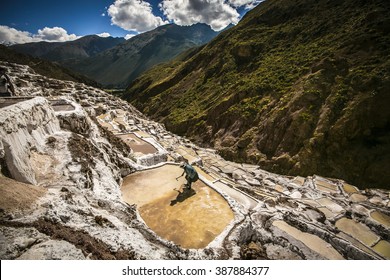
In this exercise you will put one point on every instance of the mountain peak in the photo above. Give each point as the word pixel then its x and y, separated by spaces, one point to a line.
pixel 118 66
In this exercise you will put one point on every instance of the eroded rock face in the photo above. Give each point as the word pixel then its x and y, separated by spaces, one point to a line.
pixel 73 150
pixel 23 128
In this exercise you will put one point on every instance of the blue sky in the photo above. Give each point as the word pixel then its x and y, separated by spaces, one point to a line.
pixel 30 21
pixel 81 17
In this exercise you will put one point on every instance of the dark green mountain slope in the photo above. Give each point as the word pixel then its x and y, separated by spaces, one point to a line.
pixel 298 87
pixel 36 49
pixel 43 67
pixel 123 63
pixel 81 48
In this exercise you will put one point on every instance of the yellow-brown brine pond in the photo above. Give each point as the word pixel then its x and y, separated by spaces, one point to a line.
pixel 190 218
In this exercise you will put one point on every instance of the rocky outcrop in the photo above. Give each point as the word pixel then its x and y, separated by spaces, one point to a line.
pixel 74 119
pixel 24 128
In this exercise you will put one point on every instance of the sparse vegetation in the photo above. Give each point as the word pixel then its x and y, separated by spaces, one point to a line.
pixel 291 69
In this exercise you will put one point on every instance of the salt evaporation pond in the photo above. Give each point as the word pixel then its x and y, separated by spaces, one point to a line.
pixel 137 144
pixel 189 218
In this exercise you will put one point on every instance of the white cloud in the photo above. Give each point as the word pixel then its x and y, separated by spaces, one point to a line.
pixel 128 36
pixel 55 34
pixel 104 34
pixel 216 13
pixel 134 15
pixel 240 3
pixel 10 36
pixel 103 14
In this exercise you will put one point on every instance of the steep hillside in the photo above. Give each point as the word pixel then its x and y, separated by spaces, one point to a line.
pixel 296 87
pixel 84 47
pixel 123 63
pixel 43 67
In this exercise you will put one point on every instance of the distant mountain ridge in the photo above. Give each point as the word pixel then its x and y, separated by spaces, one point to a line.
pixel 81 48
pixel 115 62
pixel 120 65
pixel 44 67
pixel 297 87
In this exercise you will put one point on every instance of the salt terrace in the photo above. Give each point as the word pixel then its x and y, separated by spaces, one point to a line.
pixel 61 105
pixel 137 144
pixel 230 206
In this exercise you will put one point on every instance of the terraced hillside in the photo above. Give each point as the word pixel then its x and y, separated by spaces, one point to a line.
pixel 84 175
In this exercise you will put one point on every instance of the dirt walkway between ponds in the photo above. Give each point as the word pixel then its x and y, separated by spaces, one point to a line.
pixel 189 218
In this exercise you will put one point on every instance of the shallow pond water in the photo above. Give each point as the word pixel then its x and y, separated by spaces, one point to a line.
pixel 137 144
pixel 190 218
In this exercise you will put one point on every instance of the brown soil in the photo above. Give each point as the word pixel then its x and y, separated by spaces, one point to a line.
pixel 20 197
pixel 253 251
pixel 85 153
pixel 17 196
pixel 95 248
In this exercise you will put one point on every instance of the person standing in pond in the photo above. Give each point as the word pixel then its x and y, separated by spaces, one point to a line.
pixel 6 86
pixel 191 174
